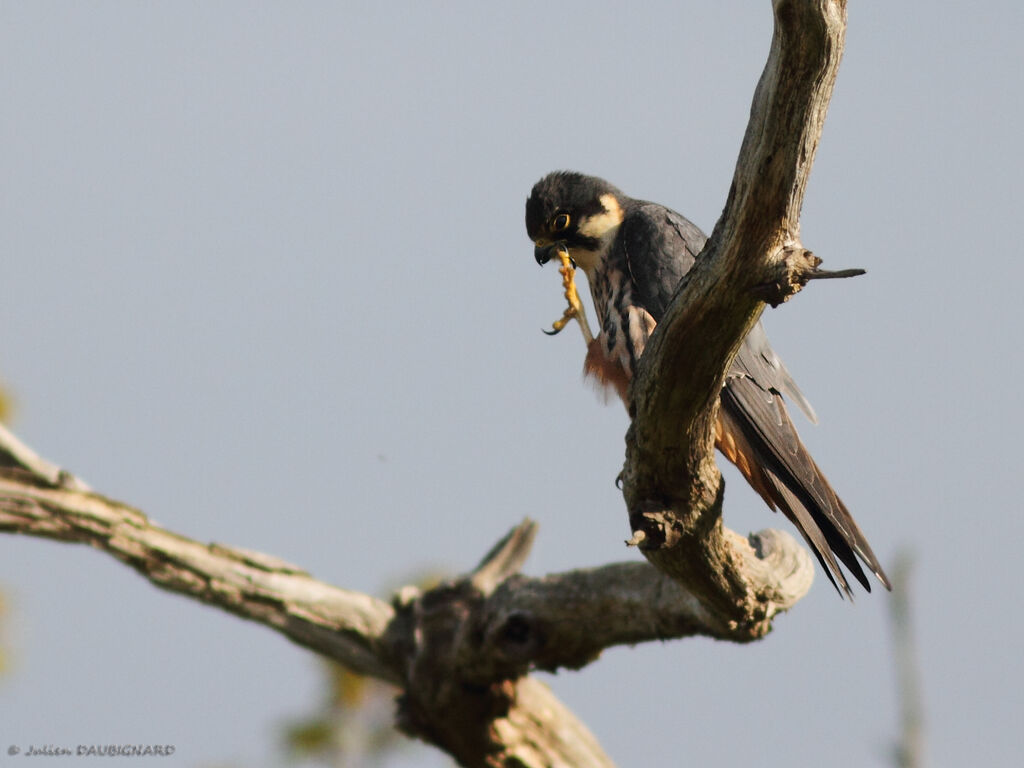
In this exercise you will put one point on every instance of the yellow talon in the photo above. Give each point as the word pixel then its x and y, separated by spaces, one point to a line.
pixel 575 308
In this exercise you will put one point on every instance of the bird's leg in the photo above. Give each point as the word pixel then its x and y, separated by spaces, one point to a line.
pixel 575 308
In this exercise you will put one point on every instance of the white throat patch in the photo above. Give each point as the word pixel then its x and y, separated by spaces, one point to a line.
pixel 601 226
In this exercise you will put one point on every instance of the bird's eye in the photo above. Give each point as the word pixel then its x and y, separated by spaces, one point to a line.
pixel 560 222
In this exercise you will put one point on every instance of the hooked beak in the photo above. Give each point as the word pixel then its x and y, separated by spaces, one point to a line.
pixel 546 250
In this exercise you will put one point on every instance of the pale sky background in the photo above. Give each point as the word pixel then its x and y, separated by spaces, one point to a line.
pixel 265 277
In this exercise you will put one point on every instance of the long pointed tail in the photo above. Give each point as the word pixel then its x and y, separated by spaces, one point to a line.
pixel 756 434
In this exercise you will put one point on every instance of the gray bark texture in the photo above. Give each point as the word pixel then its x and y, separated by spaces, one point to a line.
pixel 461 653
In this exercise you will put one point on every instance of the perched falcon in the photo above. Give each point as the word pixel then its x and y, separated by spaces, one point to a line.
pixel 634 254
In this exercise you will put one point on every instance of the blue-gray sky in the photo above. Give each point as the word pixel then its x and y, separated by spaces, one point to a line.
pixel 265 277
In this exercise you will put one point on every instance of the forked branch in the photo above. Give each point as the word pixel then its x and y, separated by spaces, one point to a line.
pixel 672 486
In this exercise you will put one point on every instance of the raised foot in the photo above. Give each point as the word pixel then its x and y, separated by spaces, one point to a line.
pixel 575 308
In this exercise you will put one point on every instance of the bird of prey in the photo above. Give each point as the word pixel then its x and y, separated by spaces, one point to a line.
pixel 634 254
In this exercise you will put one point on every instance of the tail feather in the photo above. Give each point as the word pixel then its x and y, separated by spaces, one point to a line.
pixel 817 539
pixel 757 435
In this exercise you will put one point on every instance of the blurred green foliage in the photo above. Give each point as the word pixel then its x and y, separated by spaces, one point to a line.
pixel 354 724
pixel 5 404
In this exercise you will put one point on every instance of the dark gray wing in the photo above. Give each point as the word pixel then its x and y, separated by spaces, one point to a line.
pixel 757 354
pixel 659 246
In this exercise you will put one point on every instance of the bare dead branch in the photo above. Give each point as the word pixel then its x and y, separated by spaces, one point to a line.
pixel 21 459
pixel 909 748
pixel 505 558
pixel 460 652
pixel 498 722
pixel 672 486
pixel 346 626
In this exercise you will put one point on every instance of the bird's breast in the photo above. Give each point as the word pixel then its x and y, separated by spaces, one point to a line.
pixel 625 328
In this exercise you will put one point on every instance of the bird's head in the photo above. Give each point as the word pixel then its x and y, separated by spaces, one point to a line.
pixel 578 212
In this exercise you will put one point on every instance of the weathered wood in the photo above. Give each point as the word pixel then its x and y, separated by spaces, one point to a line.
pixel 459 651
pixel 672 486
pixel 346 626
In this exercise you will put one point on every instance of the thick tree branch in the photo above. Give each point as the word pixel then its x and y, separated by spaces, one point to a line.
pixel 347 626
pixel 519 623
pixel 910 746
pixel 460 652
pixel 672 486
